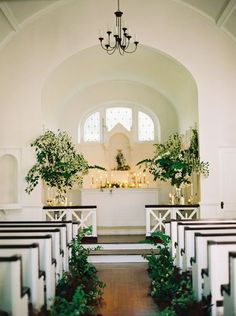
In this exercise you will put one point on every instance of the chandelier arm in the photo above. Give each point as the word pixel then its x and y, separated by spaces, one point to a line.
pixel 103 47
pixel 126 42
pixel 132 51
pixel 107 48
pixel 111 51
pixel 121 51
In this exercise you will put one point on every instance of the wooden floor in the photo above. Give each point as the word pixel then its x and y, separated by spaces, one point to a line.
pixel 126 290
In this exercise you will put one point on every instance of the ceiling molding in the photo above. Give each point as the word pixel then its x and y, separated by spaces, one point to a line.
pixel 43 11
pixel 226 12
pixel 9 16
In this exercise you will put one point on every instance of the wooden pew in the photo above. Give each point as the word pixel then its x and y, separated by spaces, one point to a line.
pixel 217 272
pixel 199 261
pixel 181 232
pixel 69 226
pixel 57 252
pixel 229 290
pixel 172 224
pixel 13 297
pixel 71 232
pixel 188 251
pixel 46 261
pixel 31 275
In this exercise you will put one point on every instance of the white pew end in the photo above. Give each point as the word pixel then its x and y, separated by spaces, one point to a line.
pixel 199 261
pixel 217 271
pixel 14 300
pixel 46 262
pixel 32 278
pixel 229 290
pixel 181 236
pixel 55 233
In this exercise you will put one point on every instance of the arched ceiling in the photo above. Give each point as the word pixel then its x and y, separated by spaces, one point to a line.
pixel 76 79
pixel 15 14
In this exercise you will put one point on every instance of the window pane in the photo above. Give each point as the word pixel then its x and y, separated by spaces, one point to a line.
pixel 117 115
pixel 145 127
pixel 92 128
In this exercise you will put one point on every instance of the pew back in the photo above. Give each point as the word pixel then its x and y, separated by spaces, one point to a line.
pixel 189 237
pixel 57 252
pixel 30 270
pixel 181 232
pixel 217 272
pixel 14 300
pixel 172 224
pixel 230 294
pixel 46 262
pixel 199 261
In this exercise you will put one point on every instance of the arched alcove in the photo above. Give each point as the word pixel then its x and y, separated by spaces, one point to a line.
pixel 9 180
pixel 118 141
pixel 148 77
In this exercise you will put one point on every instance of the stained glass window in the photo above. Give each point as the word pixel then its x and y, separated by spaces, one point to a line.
pixel 92 128
pixel 115 115
pixel 145 127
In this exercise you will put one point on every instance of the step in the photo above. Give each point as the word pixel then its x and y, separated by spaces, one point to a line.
pixel 120 255
pixel 122 252
pixel 116 258
pixel 120 248
pixel 107 246
pixel 126 252
pixel 120 239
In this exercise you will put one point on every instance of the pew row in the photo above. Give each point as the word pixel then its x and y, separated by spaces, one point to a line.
pixel 229 290
pixel 46 261
pixel 57 252
pixel 14 298
pixel 188 251
pixel 70 226
pixel 181 227
pixel 72 229
pixel 199 261
pixel 32 277
pixel 217 272
pixel 171 228
pixel 63 236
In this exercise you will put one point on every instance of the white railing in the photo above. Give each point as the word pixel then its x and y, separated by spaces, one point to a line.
pixel 85 216
pixel 156 215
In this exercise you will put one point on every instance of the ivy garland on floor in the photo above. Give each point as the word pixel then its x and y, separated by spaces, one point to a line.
pixel 171 289
pixel 79 291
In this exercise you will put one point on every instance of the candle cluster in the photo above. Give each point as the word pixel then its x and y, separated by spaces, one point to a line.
pixel 119 179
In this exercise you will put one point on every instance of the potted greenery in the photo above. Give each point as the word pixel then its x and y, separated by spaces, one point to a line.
pixel 57 163
pixel 175 164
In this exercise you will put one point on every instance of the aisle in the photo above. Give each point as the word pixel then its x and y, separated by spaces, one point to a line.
pixel 126 290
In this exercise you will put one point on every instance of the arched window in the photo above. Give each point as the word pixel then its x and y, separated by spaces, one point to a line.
pixel 128 116
pixel 117 115
pixel 145 127
pixel 92 128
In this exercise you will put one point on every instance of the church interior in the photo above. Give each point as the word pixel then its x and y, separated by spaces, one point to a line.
pixel 121 80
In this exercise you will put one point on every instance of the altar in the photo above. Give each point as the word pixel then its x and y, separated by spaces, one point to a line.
pixel 120 211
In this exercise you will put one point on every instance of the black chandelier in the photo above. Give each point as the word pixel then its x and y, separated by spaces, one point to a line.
pixel 122 38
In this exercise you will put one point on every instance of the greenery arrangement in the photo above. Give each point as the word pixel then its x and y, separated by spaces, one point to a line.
pixel 79 291
pixel 171 290
pixel 58 163
pixel 173 163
